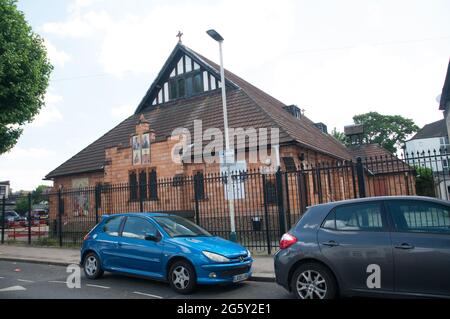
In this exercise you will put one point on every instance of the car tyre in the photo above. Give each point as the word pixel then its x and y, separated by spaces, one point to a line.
pixel 313 281
pixel 182 277
pixel 92 266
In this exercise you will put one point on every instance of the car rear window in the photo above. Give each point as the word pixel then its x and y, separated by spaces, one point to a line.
pixel 112 226
pixel 416 216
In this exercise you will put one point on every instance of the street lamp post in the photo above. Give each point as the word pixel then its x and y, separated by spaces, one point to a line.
pixel 228 152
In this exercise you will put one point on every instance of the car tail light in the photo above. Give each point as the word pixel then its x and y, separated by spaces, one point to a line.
pixel 287 241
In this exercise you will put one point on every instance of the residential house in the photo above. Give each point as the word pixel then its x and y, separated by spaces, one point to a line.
pixel 429 148
pixel 444 103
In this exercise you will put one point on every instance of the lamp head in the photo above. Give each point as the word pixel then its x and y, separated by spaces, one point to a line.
pixel 215 35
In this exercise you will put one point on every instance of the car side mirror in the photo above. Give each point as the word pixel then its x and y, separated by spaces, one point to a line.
pixel 151 237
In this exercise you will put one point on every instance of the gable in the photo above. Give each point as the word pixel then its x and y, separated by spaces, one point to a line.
pixel 184 75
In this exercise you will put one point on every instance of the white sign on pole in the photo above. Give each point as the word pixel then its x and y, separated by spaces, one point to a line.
pixel 237 179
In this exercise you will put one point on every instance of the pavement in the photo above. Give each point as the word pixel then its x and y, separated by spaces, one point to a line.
pixel 24 280
pixel 263 269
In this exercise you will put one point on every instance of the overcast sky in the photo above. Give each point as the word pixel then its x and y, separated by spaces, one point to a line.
pixel 334 59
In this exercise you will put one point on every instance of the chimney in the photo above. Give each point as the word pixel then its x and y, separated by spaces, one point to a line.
pixel 354 133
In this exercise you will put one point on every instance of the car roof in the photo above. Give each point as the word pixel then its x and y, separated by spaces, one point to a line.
pixel 381 198
pixel 155 214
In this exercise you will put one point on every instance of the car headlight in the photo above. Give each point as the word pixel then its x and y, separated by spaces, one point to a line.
pixel 249 253
pixel 216 257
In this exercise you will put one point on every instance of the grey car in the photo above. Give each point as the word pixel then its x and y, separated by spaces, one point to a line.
pixel 380 246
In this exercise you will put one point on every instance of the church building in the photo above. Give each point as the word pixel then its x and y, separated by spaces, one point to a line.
pixel 188 89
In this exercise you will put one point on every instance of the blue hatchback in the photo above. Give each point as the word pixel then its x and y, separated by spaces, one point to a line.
pixel 163 247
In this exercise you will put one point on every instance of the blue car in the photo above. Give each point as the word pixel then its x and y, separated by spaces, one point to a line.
pixel 163 247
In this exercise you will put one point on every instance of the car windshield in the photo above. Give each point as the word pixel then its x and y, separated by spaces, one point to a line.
pixel 11 214
pixel 179 227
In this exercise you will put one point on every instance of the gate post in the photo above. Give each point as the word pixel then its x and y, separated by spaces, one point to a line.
pixel 266 214
pixel 196 196
pixel 288 208
pixel 280 200
pixel 141 198
pixel 360 176
pixel 97 201
pixel 29 219
pixel 60 213
pixel 3 218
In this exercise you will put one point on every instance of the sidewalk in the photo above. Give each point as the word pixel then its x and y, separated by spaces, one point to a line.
pixel 262 267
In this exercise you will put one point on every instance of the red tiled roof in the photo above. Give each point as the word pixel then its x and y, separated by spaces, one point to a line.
pixel 248 107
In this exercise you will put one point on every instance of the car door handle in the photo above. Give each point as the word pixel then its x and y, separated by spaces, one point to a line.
pixel 404 246
pixel 330 243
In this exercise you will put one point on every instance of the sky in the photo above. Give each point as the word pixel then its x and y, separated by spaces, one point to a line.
pixel 334 59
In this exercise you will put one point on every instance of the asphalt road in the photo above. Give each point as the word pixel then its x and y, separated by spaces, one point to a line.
pixel 37 281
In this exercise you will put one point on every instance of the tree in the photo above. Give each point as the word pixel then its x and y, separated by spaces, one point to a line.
pixel 38 196
pixel 24 74
pixel 22 206
pixel 424 181
pixel 389 131
pixel 339 136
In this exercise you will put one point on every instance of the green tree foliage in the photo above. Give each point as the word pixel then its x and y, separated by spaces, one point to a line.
pixel 37 196
pixel 389 131
pixel 24 74
pixel 339 136
pixel 22 205
pixel 424 181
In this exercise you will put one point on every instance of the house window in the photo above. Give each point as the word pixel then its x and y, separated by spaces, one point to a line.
pixel 153 181
pixel 199 184
pixel 186 85
pixel 143 185
pixel 443 145
pixel 133 186
pixel 271 192
pixel 198 83
pixel 289 164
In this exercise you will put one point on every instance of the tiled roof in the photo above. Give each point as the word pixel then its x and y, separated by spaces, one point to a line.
pixel 435 129
pixel 378 160
pixel 248 107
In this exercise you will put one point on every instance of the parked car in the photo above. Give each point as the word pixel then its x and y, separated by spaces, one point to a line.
pixel 385 246
pixel 163 247
pixel 13 219
pixel 40 215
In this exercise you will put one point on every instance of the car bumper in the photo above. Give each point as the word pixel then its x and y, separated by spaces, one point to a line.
pixel 211 274
pixel 281 265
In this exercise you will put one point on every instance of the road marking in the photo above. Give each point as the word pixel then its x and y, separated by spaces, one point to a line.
pixel 57 282
pixel 2 277
pixel 97 286
pixel 24 280
pixel 13 288
pixel 148 295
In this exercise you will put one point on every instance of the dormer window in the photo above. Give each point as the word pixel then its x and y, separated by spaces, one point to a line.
pixel 188 83
pixel 187 78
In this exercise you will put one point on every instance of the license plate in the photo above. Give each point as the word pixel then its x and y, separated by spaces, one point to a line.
pixel 239 278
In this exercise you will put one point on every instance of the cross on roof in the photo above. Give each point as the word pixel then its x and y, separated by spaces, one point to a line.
pixel 179 35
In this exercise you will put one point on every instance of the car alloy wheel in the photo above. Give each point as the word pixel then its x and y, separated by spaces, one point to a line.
pixel 311 285
pixel 91 265
pixel 180 277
